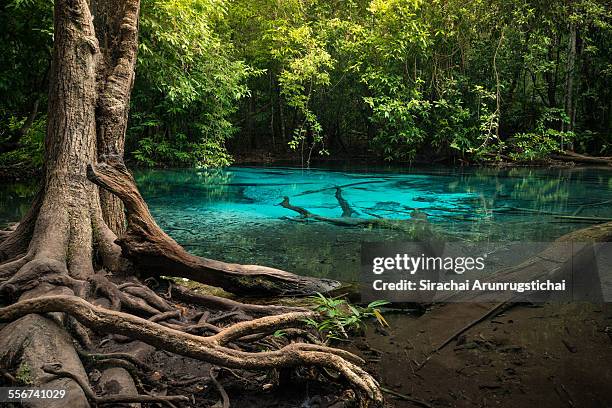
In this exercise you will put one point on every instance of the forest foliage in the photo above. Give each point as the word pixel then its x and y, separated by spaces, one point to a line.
pixel 395 80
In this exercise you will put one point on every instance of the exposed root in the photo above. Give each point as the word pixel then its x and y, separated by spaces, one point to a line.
pixel 15 240
pixel 120 299
pixel 222 392
pixel 262 325
pixel 182 293
pixel 93 357
pixel 56 369
pixel 10 267
pixel 166 315
pixel 209 349
pixel 33 341
pixel 27 274
pixel 60 253
pixel 149 296
pixel 153 252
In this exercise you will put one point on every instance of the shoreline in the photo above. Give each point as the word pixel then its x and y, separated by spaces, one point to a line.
pixel 19 173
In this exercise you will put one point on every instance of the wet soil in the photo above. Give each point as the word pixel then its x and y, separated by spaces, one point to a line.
pixel 553 355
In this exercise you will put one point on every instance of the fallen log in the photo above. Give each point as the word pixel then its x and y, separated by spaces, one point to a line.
pixel 554 262
pixel 549 263
pixel 569 156
pixel 347 211
pixel 359 183
pixel 579 218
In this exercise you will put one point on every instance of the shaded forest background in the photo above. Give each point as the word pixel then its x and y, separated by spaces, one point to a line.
pixel 393 80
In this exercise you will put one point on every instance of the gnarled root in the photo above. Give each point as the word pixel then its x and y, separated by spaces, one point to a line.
pixel 153 252
pixel 211 349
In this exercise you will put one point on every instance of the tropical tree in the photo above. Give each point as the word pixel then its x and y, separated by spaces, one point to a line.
pixel 64 257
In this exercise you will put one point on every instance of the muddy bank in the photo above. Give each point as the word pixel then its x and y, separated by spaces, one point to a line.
pixel 554 355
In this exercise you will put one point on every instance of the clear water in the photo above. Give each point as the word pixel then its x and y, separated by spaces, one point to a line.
pixel 234 214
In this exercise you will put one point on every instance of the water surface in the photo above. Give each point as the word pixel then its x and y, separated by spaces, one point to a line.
pixel 234 214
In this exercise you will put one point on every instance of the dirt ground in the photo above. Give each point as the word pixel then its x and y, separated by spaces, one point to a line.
pixel 553 355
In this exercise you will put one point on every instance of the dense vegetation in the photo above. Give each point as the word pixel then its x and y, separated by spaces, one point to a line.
pixel 384 79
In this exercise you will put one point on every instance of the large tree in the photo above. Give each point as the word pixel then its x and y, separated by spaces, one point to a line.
pixel 67 276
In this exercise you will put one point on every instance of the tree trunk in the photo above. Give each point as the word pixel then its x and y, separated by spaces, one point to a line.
pixel 569 80
pixel 57 261
pixel 117 32
pixel 67 213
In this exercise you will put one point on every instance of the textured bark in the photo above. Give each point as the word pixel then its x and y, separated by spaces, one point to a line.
pixel 117 31
pixel 59 231
pixel 33 341
pixel 64 226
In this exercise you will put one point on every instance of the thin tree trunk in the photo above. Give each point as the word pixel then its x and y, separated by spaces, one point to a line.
pixel 569 81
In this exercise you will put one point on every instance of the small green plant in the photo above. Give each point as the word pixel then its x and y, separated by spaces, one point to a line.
pixel 341 318
pixel 24 374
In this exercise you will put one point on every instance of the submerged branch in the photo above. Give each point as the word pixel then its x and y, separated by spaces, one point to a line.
pixel 347 211
pixel 383 223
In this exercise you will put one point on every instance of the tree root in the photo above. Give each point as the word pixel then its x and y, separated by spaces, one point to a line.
pixel 222 392
pixel 152 251
pixel 183 294
pixel 33 341
pixel 93 357
pixel 56 369
pixel 210 349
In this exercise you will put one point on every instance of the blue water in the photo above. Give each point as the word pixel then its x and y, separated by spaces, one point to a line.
pixel 234 214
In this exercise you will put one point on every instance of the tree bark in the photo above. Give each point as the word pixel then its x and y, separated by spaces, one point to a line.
pixel 117 33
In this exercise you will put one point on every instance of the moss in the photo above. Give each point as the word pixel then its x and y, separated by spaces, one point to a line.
pixel 201 288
